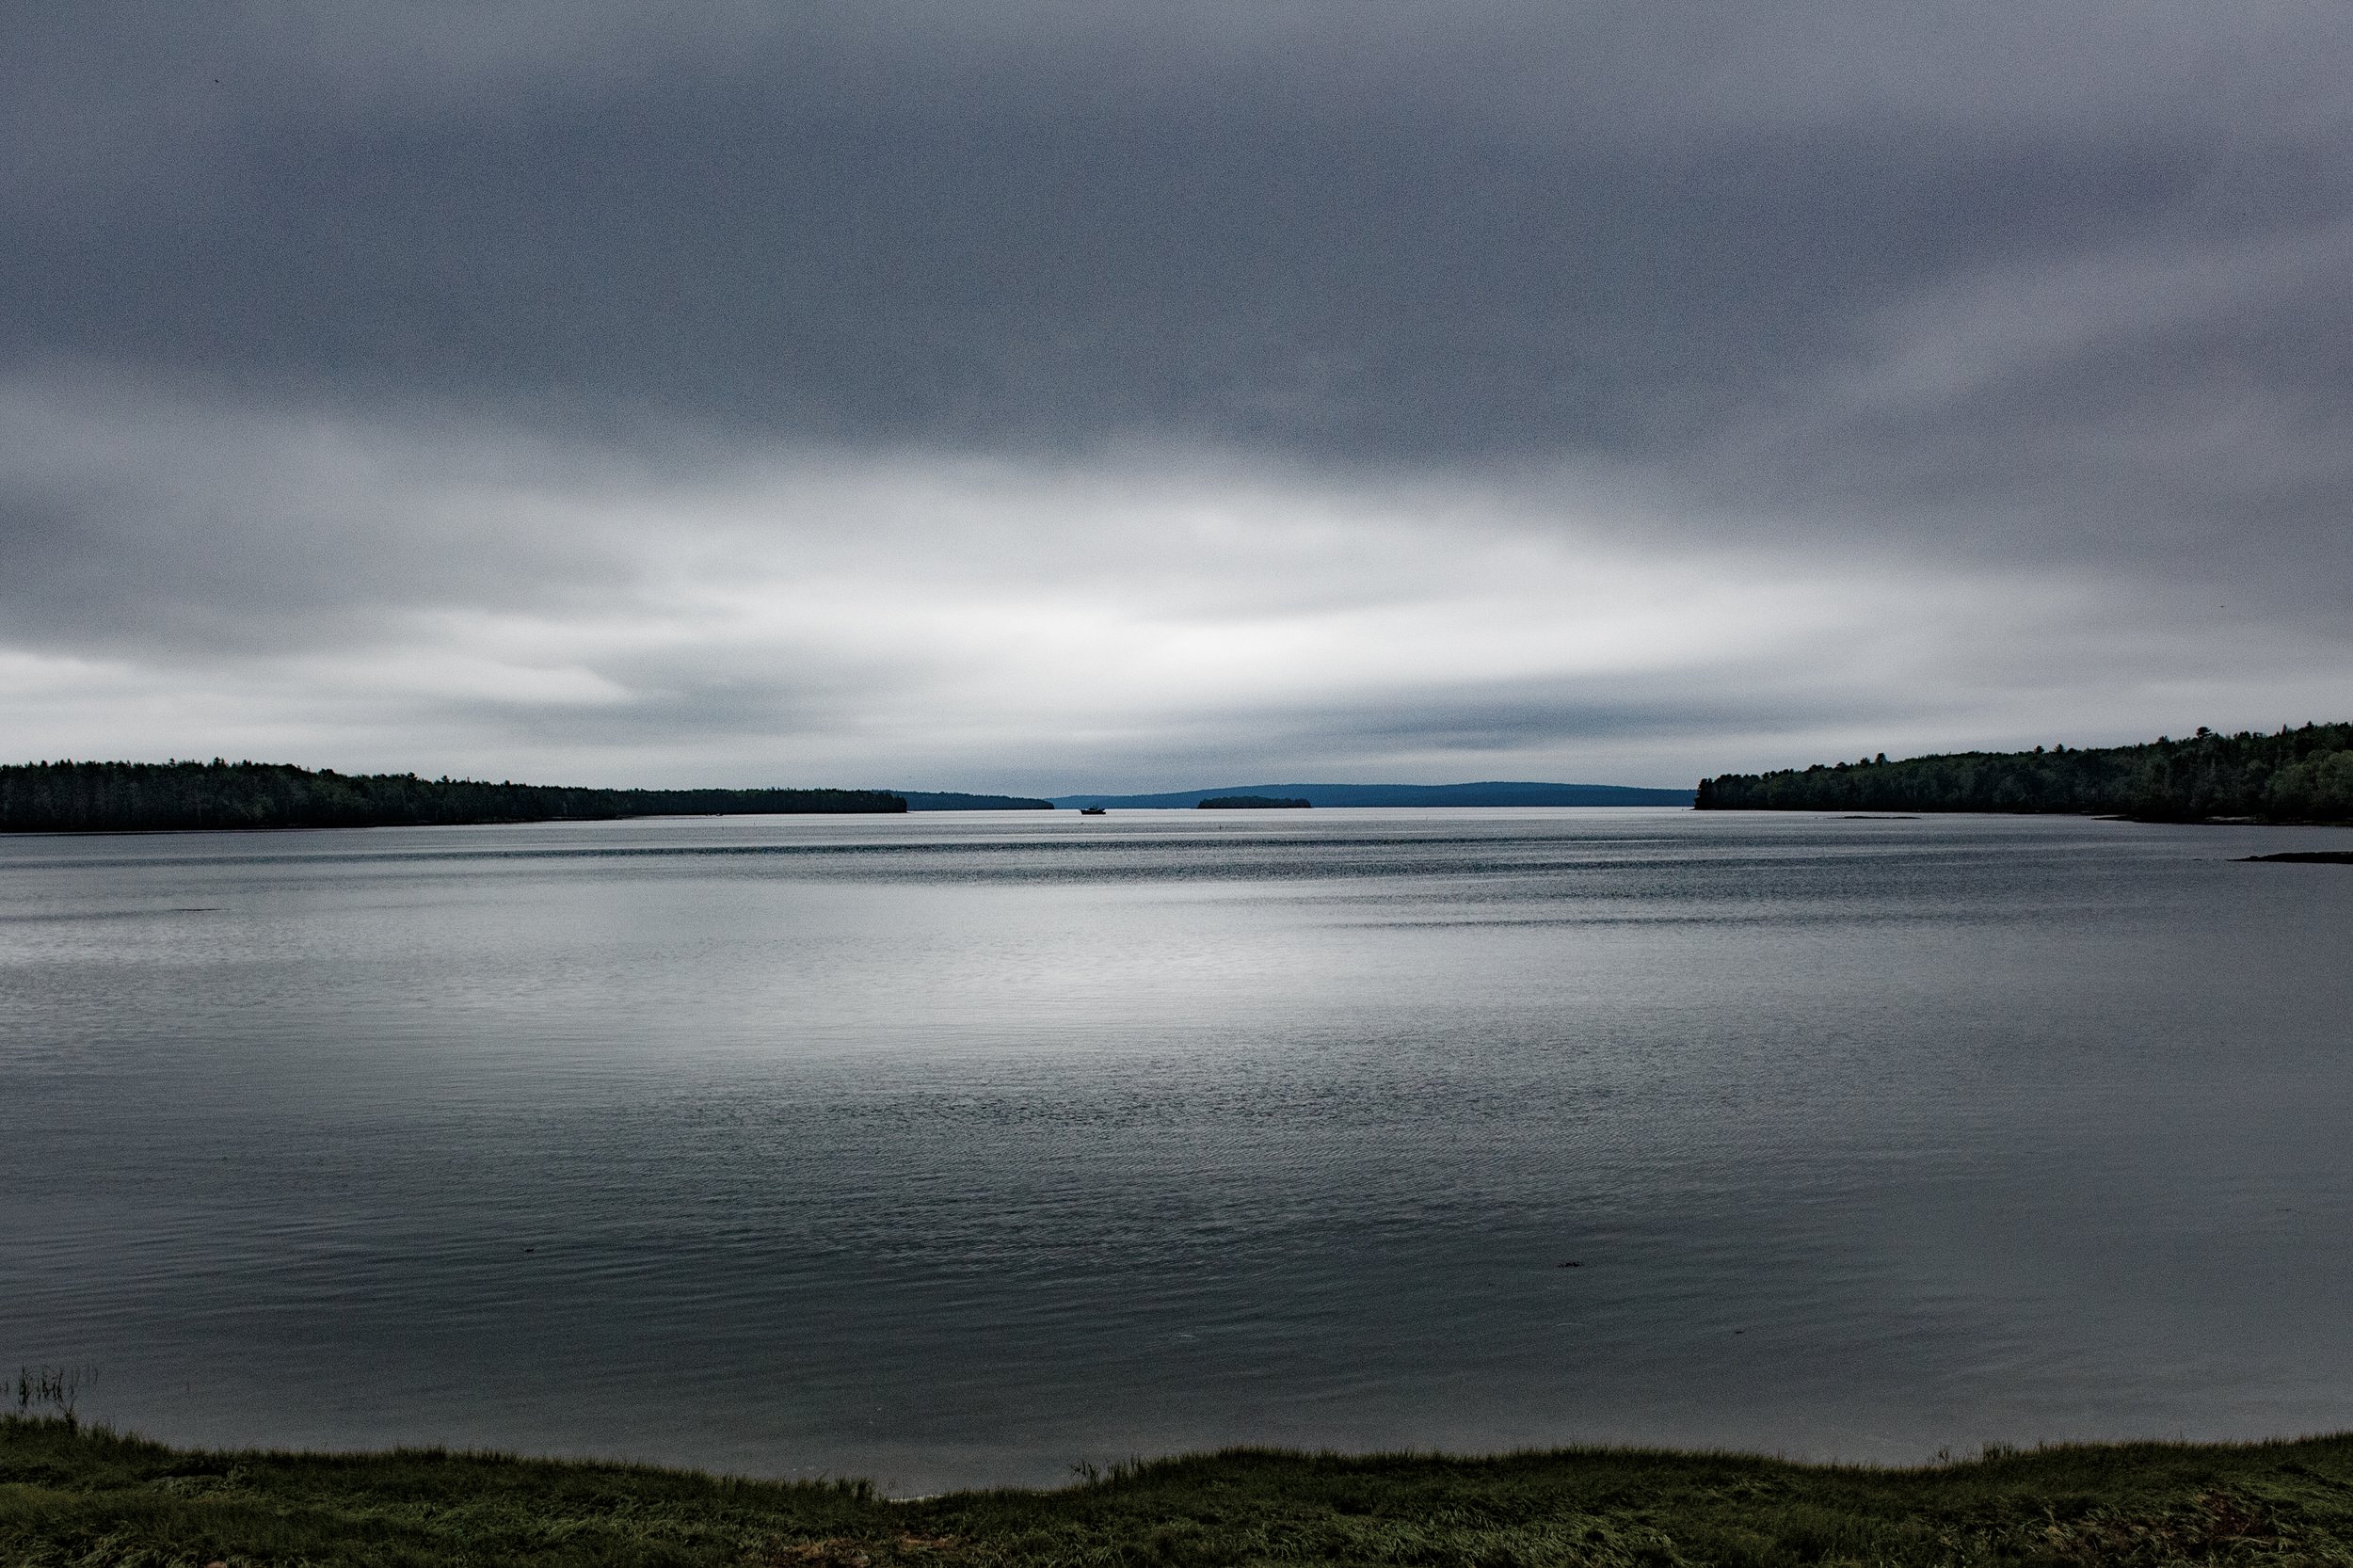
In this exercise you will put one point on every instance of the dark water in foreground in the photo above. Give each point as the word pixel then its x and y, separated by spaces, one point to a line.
pixel 960 1148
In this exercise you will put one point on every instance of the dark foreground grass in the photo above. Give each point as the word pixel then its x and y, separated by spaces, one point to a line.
pixel 89 1496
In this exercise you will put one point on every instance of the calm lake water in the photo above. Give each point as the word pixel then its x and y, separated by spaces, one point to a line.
pixel 964 1147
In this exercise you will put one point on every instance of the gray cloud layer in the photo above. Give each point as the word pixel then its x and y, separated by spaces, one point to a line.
pixel 343 329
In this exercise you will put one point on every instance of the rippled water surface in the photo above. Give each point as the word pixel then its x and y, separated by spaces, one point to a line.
pixel 963 1147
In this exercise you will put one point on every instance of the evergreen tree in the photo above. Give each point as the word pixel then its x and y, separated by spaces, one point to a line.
pixel 83 797
pixel 2291 776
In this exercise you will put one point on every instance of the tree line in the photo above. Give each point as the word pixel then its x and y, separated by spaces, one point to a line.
pixel 85 797
pixel 2291 776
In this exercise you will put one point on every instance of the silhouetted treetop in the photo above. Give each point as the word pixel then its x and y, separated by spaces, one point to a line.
pixel 2291 775
pixel 87 797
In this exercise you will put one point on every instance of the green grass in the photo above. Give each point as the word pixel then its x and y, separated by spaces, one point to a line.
pixel 86 1496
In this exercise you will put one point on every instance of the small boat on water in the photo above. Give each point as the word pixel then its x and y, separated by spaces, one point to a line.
pixel 1093 810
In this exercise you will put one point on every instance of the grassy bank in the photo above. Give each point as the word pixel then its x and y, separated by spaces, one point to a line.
pixel 89 1496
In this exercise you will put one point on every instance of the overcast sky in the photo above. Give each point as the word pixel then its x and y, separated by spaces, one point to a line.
pixel 1095 396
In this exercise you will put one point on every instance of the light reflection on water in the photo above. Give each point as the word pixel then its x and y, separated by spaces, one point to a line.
pixel 952 1149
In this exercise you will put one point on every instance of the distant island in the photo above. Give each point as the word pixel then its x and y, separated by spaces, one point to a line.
pixel 1246 803
pixel 125 797
pixel 2292 776
pixel 1490 793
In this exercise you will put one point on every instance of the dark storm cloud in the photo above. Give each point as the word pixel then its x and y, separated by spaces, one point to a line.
pixel 1367 232
pixel 329 326
pixel 170 523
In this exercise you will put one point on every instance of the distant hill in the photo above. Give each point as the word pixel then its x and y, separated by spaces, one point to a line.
pixel 118 798
pixel 949 800
pixel 1492 794
pixel 1253 803
pixel 2295 775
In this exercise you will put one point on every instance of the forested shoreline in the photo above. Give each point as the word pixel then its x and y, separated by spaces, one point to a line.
pixel 2288 776
pixel 125 797
pixel 957 800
